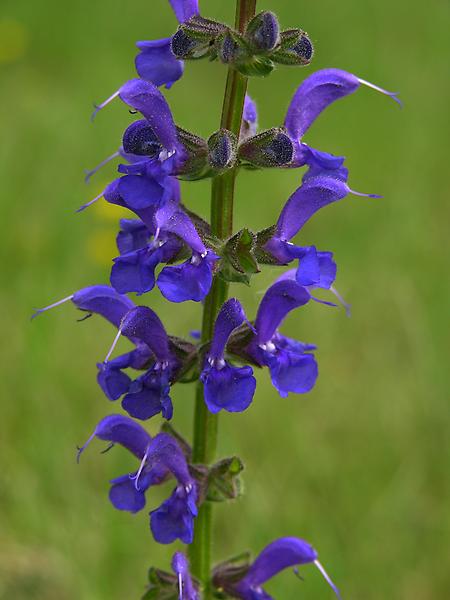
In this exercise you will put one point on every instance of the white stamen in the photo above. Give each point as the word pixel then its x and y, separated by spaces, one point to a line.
pixel 91 172
pixel 392 95
pixel 84 446
pixel 84 206
pixel 328 579
pixel 41 310
pixel 98 107
pixel 346 306
pixel 180 585
pixel 362 194
pixel 139 471
pixel 116 339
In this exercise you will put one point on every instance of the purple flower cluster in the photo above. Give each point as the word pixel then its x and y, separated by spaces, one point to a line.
pixel 164 244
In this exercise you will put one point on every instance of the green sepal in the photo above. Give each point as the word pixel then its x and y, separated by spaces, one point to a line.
pixel 187 355
pixel 255 66
pixel 285 54
pixel 230 572
pixel 268 149
pixel 223 481
pixel 262 255
pixel 238 262
pixel 196 165
pixel 195 38
pixel 162 586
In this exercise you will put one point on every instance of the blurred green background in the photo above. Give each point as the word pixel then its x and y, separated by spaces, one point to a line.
pixel 359 467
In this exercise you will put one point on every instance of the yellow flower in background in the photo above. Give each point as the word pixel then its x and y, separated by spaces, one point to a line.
pixel 14 39
pixel 101 244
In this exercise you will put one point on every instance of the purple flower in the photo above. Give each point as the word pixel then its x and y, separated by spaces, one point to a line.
pixel 161 457
pixel 99 299
pixel 170 230
pixel 314 95
pixel 156 62
pixel 225 386
pixel 292 367
pixel 147 395
pixel 186 588
pixel 249 119
pixel 277 556
pixel 314 193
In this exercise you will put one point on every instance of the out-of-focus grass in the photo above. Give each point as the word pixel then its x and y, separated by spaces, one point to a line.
pixel 360 466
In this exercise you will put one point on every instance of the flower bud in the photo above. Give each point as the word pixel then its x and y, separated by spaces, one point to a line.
pixel 139 138
pixel 232 47
pixel 263 31
pixel 295 48
pixel 195 38
pixel 222 150
pixel 271 148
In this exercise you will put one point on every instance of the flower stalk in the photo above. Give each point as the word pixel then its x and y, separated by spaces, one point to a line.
pixel 222 196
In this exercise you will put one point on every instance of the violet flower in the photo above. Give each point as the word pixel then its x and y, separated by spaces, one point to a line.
pixel 292 366
pixel 160 457
pixel 171 230
pixel 156 62
pixel 277 556
pixel 149 394
pixel 186 588
pixel 226 387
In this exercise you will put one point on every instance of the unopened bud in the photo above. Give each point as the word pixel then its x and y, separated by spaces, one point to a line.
pixel 222 150
pixel 263 31
pixel 196 37
pixel 295 48
pixel 271 148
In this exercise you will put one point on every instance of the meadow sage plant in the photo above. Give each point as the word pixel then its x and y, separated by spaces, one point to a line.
pixel 165 245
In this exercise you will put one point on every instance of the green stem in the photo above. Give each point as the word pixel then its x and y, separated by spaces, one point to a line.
pixel 222 195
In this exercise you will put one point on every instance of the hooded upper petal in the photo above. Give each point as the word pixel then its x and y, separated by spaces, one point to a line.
pixel 145 97
pixel 103 300
pixel 277 556
pixel 278 301
pixel 122 430
pixel 184 9
pixel 318 91
pixel 143 324
pixel 311 196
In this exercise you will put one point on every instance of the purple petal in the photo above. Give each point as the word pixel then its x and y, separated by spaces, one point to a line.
pixel 122 430
pixel 228 388
pixel 292 371
pixel 148 100
pixel 170 218
pixel 111 379
pixel 277 556
pixel 143 323
pixel 165 450
pixel 133 235
pixel 278 301
pixel 249 125
pixel 318 91
pixel 230 316
pixel 189 281
pixel 148 396
pixel 311 196
pixel 180 567
pixel 323 164
pixel 135 271
pixel 139 192
pixel 173 519
pixel 103 300
pixel 124 495
pixel 184 9
pixel 157 63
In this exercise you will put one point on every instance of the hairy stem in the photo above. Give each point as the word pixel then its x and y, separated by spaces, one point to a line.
pixel 222 194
